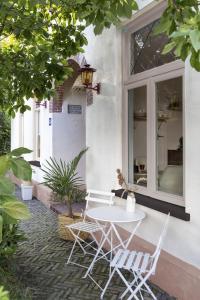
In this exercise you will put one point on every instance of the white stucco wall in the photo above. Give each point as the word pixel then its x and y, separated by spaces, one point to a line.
pixel 103 123
pixel 69 136
pixel 104 137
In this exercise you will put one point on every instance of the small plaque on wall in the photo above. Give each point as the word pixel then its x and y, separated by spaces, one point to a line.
pixel 74 109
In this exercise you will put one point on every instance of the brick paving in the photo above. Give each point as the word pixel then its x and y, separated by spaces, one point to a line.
pixel 41 263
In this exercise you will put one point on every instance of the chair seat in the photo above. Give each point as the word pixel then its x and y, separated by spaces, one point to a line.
pixel 132 260
pixel 85 226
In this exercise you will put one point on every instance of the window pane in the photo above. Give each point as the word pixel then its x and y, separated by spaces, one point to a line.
pixel 137 134
pixel 146 49
pixel 169 136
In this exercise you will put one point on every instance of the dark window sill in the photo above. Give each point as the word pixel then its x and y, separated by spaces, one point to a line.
pixel 161 206
pixel 35 163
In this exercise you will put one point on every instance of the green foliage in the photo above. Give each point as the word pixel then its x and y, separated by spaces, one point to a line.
pixel 3 294
pixel 181 22
pixel 63 179
pixel 5 134
pixel 38 36
pixel 11 237
pixel 9 278
pixel 11 209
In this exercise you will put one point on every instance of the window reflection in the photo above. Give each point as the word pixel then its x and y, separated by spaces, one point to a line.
pixel 146 49
pixel 137 130
pixel 169 136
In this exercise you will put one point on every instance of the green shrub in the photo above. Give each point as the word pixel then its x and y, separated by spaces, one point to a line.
pixel 5 133
pixel 3 294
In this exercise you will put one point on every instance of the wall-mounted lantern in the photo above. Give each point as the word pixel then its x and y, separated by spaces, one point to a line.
pixel 87 78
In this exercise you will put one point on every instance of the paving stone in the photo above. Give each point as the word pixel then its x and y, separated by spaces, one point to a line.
pixel 41 263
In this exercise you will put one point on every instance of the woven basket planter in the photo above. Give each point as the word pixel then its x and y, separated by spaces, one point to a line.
pixel 64 232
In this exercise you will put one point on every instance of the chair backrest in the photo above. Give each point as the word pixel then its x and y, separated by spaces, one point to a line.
pixel 105 198
pixel 156 254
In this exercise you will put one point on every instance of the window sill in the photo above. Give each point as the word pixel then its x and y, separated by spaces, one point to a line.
pixel 35 163
pixel 158 205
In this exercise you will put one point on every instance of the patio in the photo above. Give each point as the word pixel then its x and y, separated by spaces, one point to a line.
pixel 41 263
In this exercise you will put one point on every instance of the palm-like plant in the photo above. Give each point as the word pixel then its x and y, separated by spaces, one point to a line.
pixel 62 178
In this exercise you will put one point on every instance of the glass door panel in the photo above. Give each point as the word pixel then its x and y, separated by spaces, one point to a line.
pixel 169 142
pixel 137 135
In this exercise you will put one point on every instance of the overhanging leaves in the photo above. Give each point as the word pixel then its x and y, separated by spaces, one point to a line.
pixel 15 209
pixel 20 151
pixel 21 168
pixel 37 37
pixel 181 22
pixel 6 186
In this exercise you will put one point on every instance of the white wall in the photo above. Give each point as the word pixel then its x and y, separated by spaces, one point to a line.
pixel 103 123
pixel 46 134
pixel 104 137
pixel 69 136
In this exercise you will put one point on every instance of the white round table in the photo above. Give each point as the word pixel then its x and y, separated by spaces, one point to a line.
pixel 112 216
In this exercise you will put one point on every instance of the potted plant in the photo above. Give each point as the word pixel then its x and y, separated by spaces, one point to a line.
pixel 130 203
pixel 62 178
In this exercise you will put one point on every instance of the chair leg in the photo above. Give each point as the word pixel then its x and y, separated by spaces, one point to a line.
pixel 72 250
pixel 142 282
pixel 131 285
pixel 107 284
pixel 128 286
pixel 148 289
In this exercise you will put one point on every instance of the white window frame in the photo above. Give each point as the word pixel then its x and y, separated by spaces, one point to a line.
pixel 21 130
pixel 149 78
pixel 37 144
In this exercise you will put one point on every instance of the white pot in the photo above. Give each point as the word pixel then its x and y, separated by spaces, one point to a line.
pixel 130 203
pixel 27 192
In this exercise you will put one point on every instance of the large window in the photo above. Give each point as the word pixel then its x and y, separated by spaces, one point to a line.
pixel 153 119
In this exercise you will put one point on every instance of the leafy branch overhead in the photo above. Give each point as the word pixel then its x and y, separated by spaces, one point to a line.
pixel 37 37
pixel 181 22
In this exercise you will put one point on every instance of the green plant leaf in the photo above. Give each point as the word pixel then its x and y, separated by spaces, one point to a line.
pixel 21 169
pixel 1 228
pixel 6 186
pixel 195 39
pixel 20 151
pixel 62 178
pixel 4 295
pixel 163 26
pixel 16 210
pixel 4 164
pixel 168 47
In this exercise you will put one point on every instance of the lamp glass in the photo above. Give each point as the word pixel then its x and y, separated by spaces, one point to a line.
pixel 87 77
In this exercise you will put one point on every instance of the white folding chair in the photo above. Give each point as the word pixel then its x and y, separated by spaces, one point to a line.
pixel 93 196
pixel 140 265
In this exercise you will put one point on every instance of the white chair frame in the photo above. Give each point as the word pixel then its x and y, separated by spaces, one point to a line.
pixel 141 265
pixel 93 196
